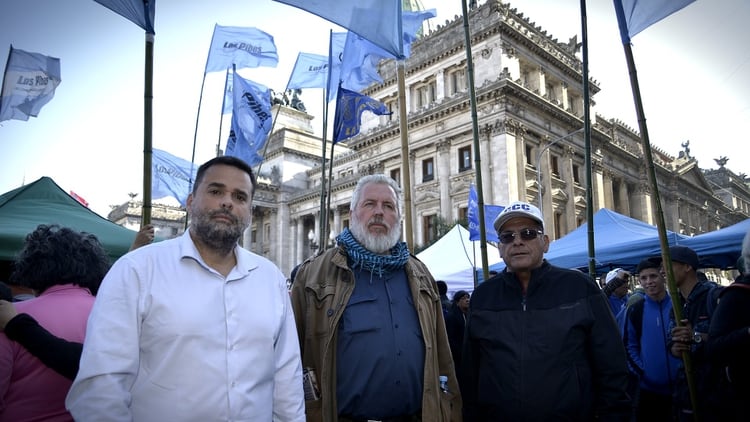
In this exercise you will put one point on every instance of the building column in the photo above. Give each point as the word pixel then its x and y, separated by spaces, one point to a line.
pixel 443 173
pixel 301 239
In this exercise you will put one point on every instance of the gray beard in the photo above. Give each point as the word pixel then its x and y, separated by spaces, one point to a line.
pixel 379 244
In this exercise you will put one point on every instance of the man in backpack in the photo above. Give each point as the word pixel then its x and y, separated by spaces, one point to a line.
pixel 690 336
pixel 646 340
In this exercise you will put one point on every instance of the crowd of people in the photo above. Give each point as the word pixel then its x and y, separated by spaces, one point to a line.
pixel 198 328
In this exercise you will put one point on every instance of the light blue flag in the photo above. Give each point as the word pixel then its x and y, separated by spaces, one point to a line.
pixel 29 83
pixel 310 71
pixel 242 47
pixel 140 12
pixel 172 176
pixel 412 23
pixel 349 109
pixel 378 21
pixel 251 120
pixel 490 213
pixel 336 52
pixel 359 65
pixel 633 16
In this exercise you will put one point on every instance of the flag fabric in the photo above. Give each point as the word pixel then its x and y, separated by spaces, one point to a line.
pixel 359 64
pixel 251 120
pixel 140 12
pixel 29 83
pixel 336 53
pixel 633 16
pixel 242 47
pixel 412 23
pixel 172 176
pixel 490 213
pixel 310 71
pixel 378 21
pixel 79 198
pixel 349 109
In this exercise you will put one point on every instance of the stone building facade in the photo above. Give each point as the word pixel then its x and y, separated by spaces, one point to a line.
pixel 530 111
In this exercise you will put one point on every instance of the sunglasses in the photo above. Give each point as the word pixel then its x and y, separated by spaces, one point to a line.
pixel 526 234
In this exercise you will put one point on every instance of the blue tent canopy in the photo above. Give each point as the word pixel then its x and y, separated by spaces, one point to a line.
pixel 619 241
pixel 720 248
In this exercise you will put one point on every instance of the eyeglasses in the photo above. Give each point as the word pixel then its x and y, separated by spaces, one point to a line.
pixel 526 234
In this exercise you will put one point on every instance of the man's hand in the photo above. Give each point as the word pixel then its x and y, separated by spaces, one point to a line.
pixel 7 312
pixel 144 237
pixel 682 338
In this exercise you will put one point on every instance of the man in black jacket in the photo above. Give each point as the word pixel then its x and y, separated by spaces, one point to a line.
pixel 541 342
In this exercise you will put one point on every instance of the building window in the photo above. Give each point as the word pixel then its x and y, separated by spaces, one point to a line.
pixel 425 94
pixel 463 214
pixel 396 175
pixel 345 223
pixel 576 175
pixel 529 154
pixel 428 170
pixel 464 158
pixel 456 81
pixel 429 224
pixel 254 236
pixel 554 166
pixel 558 224
pixel 393 108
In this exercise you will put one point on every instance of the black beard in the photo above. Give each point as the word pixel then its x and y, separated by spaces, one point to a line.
pixel 217 236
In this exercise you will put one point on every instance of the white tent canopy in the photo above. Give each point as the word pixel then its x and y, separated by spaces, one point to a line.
pixel 454 258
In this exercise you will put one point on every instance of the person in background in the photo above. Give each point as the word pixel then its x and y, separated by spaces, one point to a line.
pixel 541 342
pixel 690 336
pixel 616 289
pixel 194 328
pixel 646 339
pixel 443 290
pixel 370 322
pixel 455 324
pixel 65 268
pixel 728 345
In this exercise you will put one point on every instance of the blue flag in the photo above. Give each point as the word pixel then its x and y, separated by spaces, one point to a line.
pixel 490 213
pixel 29 83
pixel 359 65
pixel 140 12
pixel 310 71
pixel 242 47
pixel 633 16
pixel 378 21
pixel 349 109
pixel 172 176
pixel 336 53
pixel 251 120
pixel 412 23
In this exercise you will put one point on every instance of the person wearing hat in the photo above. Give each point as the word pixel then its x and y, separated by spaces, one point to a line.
pixel 616 289
pixel 690 336
pixel 541 342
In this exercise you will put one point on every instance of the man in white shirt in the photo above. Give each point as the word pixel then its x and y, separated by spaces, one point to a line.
pixel 194 328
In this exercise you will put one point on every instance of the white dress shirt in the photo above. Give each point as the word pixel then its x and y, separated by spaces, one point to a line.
pixel 171 339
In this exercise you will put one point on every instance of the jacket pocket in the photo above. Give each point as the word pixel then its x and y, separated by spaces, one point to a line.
pixel 313 410
pixel 447 411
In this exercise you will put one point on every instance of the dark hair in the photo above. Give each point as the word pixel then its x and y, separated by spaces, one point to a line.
pixel 646 263
pixel 54 255
pixel 459 294
pixel 227 160
pixel 442 287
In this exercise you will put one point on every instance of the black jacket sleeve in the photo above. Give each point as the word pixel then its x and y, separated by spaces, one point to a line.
pixel 58 354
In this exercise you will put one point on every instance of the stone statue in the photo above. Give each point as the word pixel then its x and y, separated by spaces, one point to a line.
pixel 296 103
pixel 721 161
pixel 686 146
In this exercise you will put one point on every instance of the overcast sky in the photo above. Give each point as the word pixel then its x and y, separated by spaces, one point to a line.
pixel 692 68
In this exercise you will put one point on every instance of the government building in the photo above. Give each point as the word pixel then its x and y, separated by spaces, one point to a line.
pixel 530 114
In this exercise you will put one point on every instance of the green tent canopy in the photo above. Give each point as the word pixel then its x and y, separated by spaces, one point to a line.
pixel 44 202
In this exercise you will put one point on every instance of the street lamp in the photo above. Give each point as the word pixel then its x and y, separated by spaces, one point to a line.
pixel 538 164
pixel 311 239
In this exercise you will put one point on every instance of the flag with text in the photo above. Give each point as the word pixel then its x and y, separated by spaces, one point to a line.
pixel 172 176
pixel 29 83
pixel 310 71
pixel 240 46
pixel 251 120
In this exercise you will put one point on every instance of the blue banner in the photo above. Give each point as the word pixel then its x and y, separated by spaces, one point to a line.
pixel 633 16
pixel 251 120
pixel 490 213
pixel 349 109
pixel 310 71
pixel 140 12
